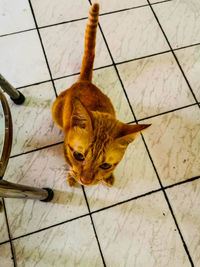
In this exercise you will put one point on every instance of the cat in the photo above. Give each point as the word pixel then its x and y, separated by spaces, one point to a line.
pixel 95 140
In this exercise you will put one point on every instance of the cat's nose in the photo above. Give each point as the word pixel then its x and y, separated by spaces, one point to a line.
pixel 84 181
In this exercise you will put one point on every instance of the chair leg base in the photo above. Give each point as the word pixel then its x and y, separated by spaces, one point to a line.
pixel 19 100
pixel 50 195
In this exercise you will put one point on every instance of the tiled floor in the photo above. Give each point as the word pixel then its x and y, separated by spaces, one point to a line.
pixel 148 63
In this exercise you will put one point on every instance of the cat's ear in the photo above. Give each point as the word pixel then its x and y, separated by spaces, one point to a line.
pixel 127 133
pixel 80 116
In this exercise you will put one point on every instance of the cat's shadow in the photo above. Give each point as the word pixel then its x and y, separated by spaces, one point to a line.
pixel 65 197
pixel 68 198
pixel 36 101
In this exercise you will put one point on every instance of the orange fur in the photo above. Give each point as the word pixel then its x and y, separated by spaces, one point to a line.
pixel 87 117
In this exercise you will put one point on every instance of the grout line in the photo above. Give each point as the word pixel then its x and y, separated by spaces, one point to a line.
pixel 62 77
pixel 175 57
pixel 9 235
pixel 74 20
pixel 105 208
pixel 167 200
pixel 127 200
pixel 45 56
pixel 13 33
pixel 102 257
pixel 77 73
pixel 186 46
pixel 35 150
pixel 182 182
pixel 148 193
pixel 165 112
pixel 51 226
pixel 143 57
pixel 61 23
pixel 4 242
pixel 32 84
pixel 177 226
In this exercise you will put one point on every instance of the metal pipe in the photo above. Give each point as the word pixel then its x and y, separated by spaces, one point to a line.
pixel 11 190
pixel 4 156
pixel 8 88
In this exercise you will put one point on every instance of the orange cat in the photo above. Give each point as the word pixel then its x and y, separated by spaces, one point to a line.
pixel 95 141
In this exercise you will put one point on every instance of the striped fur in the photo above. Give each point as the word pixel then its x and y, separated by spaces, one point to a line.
pixel 90 42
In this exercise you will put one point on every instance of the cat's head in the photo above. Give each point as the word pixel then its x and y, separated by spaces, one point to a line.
pixel 96 143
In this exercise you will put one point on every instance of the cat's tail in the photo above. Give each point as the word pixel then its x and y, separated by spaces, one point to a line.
pixel 90 41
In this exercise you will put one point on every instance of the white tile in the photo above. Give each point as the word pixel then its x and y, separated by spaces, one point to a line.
pixel 71 244
pixel 185 201
pixel 132 34
pixel 140 233
pixel 189 59
pixel 133 176
pixel 21 59
pixel 3 226
pixel 180 20
pixel 44 168
pixel 15 16
pixel 49 12
pixel 109 6
pixel 64 45
pixel 33 126
pixel 154 85
pixel 5 255
pixel 174 144
pixel 107 81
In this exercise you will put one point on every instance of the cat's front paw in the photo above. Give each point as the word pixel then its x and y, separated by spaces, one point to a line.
pixel 70 180
pixel 110 180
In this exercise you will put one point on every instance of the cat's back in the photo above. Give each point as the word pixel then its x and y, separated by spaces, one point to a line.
pixel 91 97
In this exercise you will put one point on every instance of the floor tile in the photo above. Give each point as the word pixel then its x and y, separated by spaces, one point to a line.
pixel 22 59
pixel 185 201
pixel 174 144
pixel 50 12
pixel 154 85
pixel 128 34
pixel 6 256
pixel 181 21
pixel 133 176
pixel 107 80
pixel 15 16
pixel 140 233
pixel 71 244
pixel 33 126
pixel 109 6
pixel 44 168
pixel 64 45
pixel 3 226
pixel 189 59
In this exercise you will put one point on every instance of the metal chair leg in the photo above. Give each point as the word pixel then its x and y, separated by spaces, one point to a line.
pixel 17 97
pixel 11 190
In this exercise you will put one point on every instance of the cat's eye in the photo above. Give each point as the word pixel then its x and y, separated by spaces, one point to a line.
pixel 78 156
pixel 105 166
